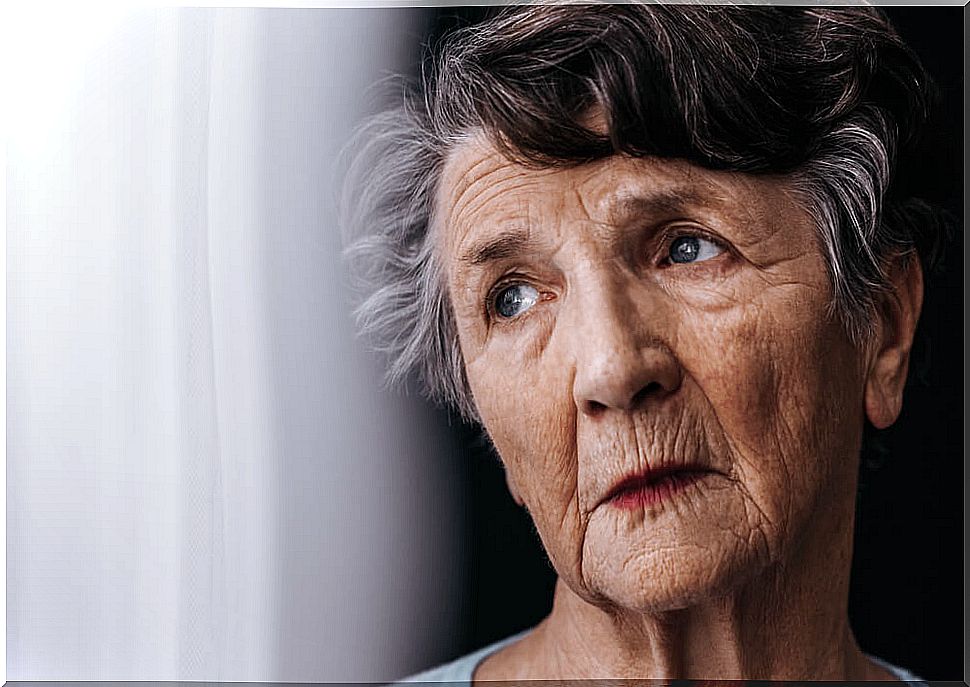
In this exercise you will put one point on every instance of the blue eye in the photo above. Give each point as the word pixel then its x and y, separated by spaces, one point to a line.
pixel 515 299
pixel 686 249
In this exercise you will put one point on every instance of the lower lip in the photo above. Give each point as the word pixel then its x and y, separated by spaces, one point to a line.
pixel 657 492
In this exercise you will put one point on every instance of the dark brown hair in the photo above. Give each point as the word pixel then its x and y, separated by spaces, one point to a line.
pixel 822 96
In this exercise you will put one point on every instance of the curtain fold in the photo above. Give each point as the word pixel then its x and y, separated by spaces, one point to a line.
pixel 205 480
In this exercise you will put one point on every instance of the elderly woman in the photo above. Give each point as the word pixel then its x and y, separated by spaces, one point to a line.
pixel 656 252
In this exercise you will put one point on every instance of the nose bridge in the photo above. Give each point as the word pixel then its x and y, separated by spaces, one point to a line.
pixel 606 312
pixel 617 341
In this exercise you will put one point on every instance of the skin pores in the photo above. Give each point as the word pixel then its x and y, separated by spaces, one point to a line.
pixel 633 314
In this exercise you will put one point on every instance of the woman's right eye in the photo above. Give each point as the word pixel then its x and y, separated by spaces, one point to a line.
pixel 513 300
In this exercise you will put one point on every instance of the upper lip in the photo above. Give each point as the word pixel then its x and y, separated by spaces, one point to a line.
pixel 643 478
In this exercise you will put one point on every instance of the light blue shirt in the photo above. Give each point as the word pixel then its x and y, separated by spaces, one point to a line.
pixel 459 672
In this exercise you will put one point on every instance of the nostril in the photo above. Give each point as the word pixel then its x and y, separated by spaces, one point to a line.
pixel 650 389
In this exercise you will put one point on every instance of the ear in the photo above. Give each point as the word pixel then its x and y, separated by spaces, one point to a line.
pixel 893 341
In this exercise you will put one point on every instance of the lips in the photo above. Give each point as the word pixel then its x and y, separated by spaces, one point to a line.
pixel 653 486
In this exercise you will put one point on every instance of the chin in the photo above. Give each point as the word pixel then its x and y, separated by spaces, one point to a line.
pixel 664 579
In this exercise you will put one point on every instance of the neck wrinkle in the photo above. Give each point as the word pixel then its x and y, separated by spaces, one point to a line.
pixel 790 622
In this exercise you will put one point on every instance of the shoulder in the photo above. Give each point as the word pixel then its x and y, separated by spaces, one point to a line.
pixel 900 673
pixel 459 672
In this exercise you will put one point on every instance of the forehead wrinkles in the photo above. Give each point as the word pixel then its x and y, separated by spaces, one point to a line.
pixel 467 190
pixel 476 176
pixel 602 190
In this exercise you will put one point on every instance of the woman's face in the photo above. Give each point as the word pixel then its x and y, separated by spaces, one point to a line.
pixel 630 316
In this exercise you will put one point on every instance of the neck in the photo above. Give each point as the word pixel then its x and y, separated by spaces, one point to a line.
pixel 788 622
pixel 749 634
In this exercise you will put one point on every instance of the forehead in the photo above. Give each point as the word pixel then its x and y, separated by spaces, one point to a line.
pixel 481 192
pixel 477 177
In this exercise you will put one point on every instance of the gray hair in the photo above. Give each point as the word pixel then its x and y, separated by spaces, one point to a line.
pixel 823 97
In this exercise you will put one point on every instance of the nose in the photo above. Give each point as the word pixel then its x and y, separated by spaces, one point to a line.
pixel 621 360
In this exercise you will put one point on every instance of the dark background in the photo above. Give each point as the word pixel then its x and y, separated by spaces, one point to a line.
pixel 906 602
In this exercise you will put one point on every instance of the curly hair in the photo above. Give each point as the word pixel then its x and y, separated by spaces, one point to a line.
pixel 824 97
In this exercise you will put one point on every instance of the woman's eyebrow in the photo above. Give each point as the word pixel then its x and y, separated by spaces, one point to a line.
pixel 659 203
pixel 507 244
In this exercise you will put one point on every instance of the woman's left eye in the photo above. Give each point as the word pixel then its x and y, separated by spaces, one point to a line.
pixel 685 249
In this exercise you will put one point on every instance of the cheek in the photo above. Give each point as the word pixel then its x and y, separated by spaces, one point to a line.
pixel 527 409
pixel 735 359
pixel 782 386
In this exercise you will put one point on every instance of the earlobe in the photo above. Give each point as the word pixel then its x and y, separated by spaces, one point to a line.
pixel 894 339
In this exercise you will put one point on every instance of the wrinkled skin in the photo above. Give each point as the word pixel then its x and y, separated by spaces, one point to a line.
pixel 620 358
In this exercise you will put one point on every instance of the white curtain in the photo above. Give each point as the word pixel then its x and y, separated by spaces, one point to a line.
pixel 205 480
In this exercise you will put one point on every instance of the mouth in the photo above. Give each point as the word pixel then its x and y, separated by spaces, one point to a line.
pixel 654 486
